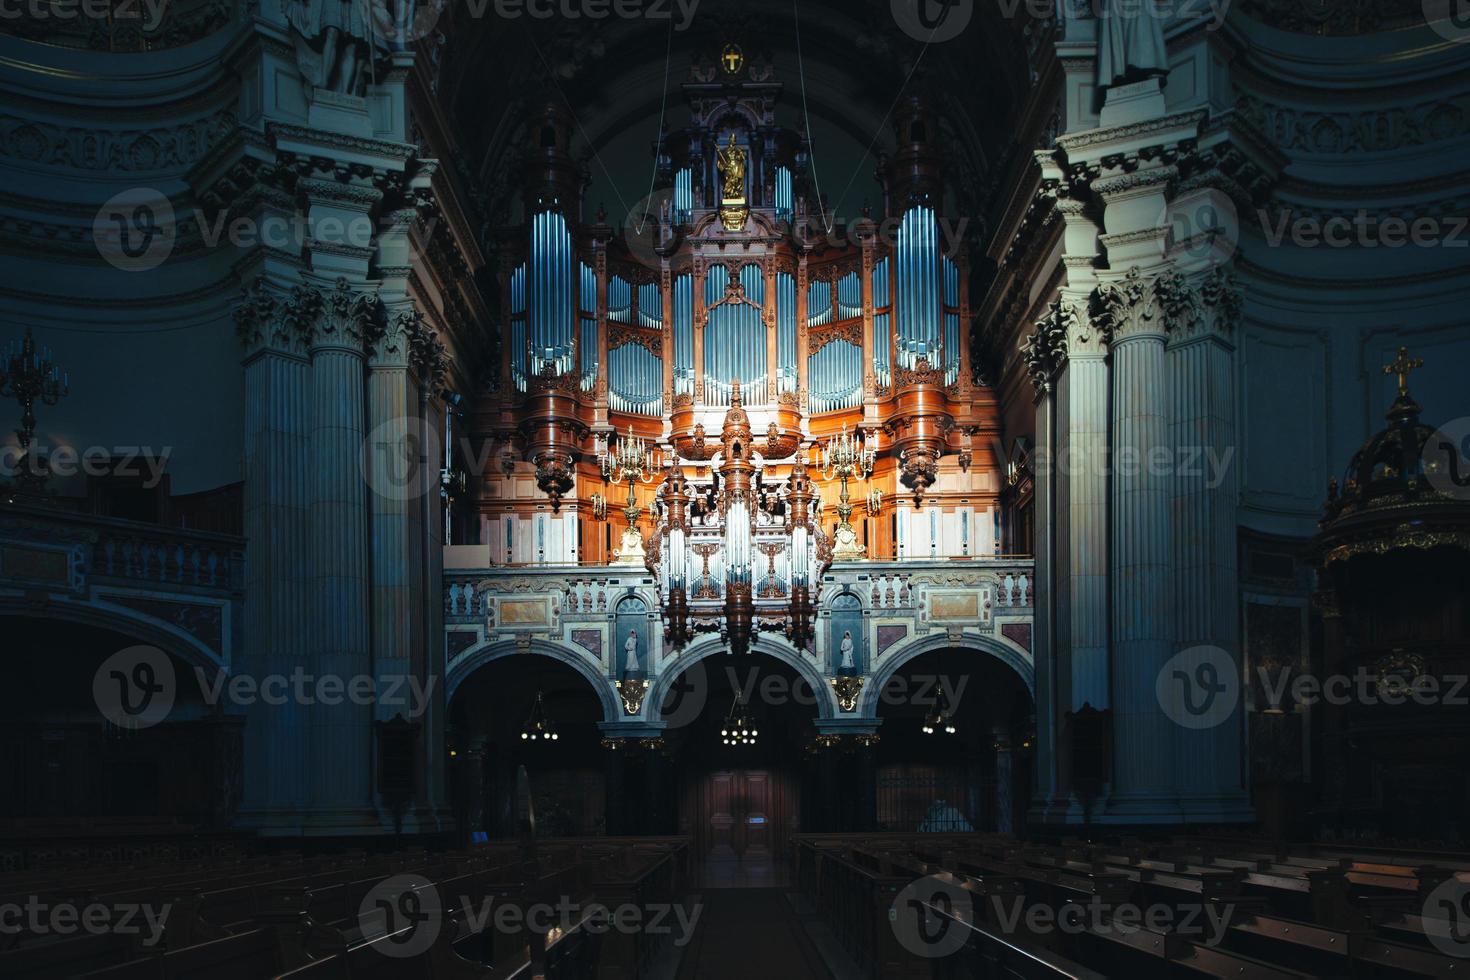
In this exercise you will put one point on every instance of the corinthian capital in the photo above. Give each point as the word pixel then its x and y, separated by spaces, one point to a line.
pixel 1135 305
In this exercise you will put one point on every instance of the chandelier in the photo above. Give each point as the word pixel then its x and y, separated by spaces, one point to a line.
pixel 738 728
pixel 940 719
pixel 845 457
pixel 631 461
pixel 538 726
pixel 29 375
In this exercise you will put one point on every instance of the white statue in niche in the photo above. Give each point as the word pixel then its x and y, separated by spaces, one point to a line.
pixel 630 648
pixel 846 650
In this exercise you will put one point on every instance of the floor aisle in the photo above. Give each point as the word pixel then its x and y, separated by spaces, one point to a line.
pixel 750 932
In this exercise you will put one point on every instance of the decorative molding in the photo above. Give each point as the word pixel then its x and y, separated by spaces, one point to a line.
pixel 136 151
pixel 1366 131
pixel 621 336
pixel 817 338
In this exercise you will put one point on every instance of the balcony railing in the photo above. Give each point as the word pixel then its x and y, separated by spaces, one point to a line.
pixel 38 540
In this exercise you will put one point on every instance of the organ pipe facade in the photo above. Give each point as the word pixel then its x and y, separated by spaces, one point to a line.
pixel 736 328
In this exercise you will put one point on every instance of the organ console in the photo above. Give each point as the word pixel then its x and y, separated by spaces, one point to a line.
pixel 737 328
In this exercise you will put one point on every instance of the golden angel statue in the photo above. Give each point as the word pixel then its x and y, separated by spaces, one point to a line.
pixel 731 163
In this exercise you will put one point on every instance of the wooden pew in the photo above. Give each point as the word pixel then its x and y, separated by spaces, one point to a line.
pixel 67 957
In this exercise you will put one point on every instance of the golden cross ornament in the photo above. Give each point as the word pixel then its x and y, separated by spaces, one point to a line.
pixel 1402 366
pixel 732 58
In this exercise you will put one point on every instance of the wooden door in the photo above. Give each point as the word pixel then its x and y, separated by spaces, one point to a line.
pixel 741 813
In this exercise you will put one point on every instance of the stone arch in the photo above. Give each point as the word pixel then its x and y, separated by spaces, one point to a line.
pixel 478 656
pixel 868 704
pixel 145 629
pixel 765 645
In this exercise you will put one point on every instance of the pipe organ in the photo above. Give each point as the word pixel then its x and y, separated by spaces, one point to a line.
pixel 737 332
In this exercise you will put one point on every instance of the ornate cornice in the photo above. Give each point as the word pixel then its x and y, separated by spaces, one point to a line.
pixel 1072 145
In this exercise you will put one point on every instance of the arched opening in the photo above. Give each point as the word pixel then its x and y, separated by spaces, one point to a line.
pixel 956 745
pixel 84 744
pixel 493 724
pixel 740 797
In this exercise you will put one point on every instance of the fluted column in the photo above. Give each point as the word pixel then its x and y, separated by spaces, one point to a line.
pixel 340 733
pixel 1043 643
pixel 277 610
pixel 1142 554
pixel 1201 367
pixel 1082 506
pixel 398 479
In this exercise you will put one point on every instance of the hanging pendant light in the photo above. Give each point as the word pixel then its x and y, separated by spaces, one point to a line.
pixel 738 728
pixel 940 719
pixel 538 727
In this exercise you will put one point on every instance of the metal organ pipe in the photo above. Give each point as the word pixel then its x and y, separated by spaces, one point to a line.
pixel 684 334
pixel 786 332
pixel 650 306
pixel 850 296
pixel 735 337
pixel 552 314
pixel 683 195
pixel 882 322
pixel 919 306
pixel 951 321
